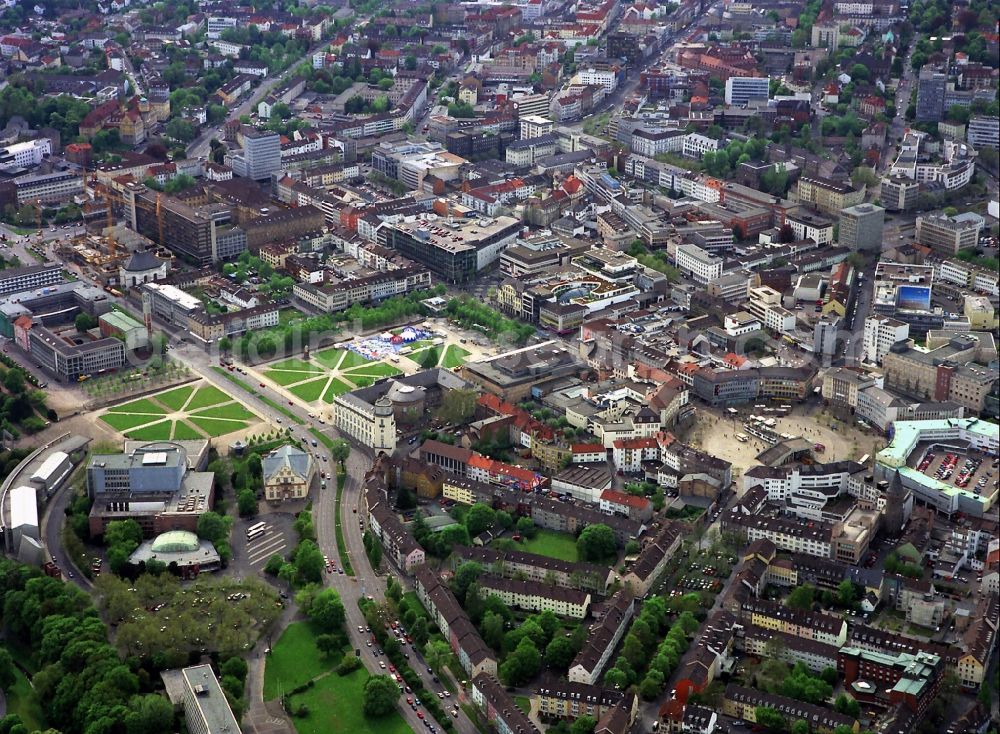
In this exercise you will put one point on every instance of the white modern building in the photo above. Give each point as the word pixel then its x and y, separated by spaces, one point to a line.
pixel 880 334
pixel 701 265
pixel 983 132
pixel 695 145
pixel 741 90
pixel 25 155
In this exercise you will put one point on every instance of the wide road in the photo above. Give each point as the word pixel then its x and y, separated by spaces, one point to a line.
pixel 366 582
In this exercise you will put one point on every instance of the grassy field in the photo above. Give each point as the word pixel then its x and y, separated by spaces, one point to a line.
pixel 232 411
pixel 214 427
pixel 352 359
pixel 142 405
pixel 329 357
pixel 207 395
pixel 523 703
pixel 125 421
pixel 287 377
pixel 21 700
pixel 294 660
pixel 263 398
pixel 337 387
pixel 427 358
pixel 299 365
pixel 310 391
pixel 551 544
pixel 334 701
pixel 184 432
pixel 159 431
pixel 176 398
pixel 454 357
pixel 372 369
pixel 334 707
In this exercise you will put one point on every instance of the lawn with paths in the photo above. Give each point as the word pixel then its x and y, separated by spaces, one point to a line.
pixel 230 411
pixel 374 369
pixel 296 365
pixel 294 660
pixel 352 359
pixel 329 358
pixel 124 421
pixel 215 427
pixel 454 356
pixel 207 395
pixel 287 377
pixel 159 431
pixel 176 398
pixel 184 432
pixel 551 544
pixel 426 358
pixel 309 391
pixel 142 405
pixel 337 387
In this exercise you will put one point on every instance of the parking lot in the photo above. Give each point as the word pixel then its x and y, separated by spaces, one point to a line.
pixel 970 471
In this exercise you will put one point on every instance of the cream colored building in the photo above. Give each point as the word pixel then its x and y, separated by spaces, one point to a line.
pixel 288 473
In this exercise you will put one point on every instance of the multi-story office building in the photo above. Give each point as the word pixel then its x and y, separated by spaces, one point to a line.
pixel 809 226
pixel 969 275
pixel 899 193
pixel 49 188
pixel 880 334
pixel 861 227
pixel 949 235
pixel 983 132
pixel 534 126
pixel 29 277
pixel 931 87
pixel 199 234
pixel 956 371
pixel 741 90
pixel 827 195
pixel 261 154
pixel 68 362
pixel 701 265
pixel 454 250
pixel 206 709
pixel 25 155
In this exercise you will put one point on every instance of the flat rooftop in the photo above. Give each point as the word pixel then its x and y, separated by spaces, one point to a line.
pixel 455 235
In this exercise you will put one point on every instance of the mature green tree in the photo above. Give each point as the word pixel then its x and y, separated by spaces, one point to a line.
pixel 800 726
pixel 329 645
pixel 479 518
pixel 596 543
pixel 380 696
pixel 464 576
pixel 560 653
pixel 327 611
pixel 437 653
pixel 149 714
pixel 583 725
pixel 801 597
pixel 246 502
pixel 521 665
pixel 502 520
pixel 273 565
pixel 309 562
pixel 213 527
pixel 492 629
pixel 526 526
pixel 340 450
pixel 769 718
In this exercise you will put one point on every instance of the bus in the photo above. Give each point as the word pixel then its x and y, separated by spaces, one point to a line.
pixel 256 530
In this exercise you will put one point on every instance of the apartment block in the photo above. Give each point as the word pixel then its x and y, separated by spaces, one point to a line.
pixel 536 596
pixel 605 634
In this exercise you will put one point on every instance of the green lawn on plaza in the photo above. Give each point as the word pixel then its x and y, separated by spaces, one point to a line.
pixel 552 544
pixel 198 412
pixel 294 660
pixel 159 431
pixel 142 405
pixel 288 377
pixel 454 357
pixel 175 399
pixel 310 391
pixel 299 365
pixel 334 701
pixel 373 369
pixel 337 387
pixel 207 395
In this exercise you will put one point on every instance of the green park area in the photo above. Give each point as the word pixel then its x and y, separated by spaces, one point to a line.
pixel 329 373
pixel 189 412
pixel 552 544
pixel 449 356
pixel 21 700
pixel 328 700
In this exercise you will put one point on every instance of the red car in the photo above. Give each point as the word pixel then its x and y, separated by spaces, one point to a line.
pixel 392 669
pixel 420 714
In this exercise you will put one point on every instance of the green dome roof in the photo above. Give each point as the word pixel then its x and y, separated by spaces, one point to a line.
pixel 175 541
